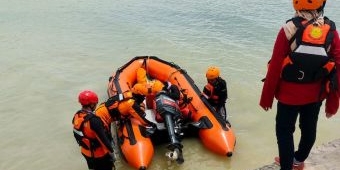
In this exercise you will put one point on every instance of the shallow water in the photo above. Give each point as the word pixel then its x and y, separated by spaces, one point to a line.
pixel 51 50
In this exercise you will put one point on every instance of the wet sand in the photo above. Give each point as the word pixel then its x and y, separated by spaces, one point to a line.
pixel 324 157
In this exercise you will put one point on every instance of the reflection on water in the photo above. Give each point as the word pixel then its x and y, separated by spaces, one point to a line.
pixel 51 50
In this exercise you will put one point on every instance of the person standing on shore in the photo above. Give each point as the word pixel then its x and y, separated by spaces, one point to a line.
pixel 302 72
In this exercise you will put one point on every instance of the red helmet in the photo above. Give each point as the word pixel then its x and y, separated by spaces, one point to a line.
pixel 87 97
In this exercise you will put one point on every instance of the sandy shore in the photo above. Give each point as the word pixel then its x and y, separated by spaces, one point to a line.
pixel 324 157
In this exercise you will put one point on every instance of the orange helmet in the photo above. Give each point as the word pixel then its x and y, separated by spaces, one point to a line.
pixel 308 4
pixel 87 97
pixel 212 72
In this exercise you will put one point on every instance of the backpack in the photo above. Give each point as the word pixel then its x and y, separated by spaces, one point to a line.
pixel 113 102
pixel 79 119
pixel 309 61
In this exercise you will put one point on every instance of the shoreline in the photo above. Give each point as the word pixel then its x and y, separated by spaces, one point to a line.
pixel 323 157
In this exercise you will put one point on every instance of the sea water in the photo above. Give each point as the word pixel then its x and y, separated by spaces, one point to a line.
pixel 52 50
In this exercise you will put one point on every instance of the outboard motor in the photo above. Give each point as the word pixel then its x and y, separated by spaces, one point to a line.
pixel 169 110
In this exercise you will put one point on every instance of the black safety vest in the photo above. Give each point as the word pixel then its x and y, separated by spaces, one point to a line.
pixel 309 61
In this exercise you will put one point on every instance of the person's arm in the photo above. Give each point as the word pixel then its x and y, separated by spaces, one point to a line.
pixel 222 91
pixel 137 112
pixel 206 92
pixel 332 100
pixel 335 53
pixel 98 127
pixel 280 51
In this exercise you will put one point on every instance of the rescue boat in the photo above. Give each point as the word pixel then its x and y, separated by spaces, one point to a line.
pixel 134 142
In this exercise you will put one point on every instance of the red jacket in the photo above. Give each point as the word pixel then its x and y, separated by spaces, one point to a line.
pixel 293 93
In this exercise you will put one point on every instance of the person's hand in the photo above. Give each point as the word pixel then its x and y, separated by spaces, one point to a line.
pixel 266 108
pixel 142 106
pixel 329 115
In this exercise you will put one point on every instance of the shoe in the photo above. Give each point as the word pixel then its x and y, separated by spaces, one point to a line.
pixel 277 160
pixel 296 165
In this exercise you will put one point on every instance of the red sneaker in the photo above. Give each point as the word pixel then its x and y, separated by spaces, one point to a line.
pixel 277 160
pixel 296 165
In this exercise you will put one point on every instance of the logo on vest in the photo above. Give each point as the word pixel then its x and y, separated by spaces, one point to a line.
pixel 316 33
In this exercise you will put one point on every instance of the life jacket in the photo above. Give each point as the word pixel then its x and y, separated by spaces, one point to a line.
pixel 209 93
pixel 125 106
pixel 309 60
pixel 103 113
pixel 85 136
pixel 117 100
pixel 107 116
pixel 113 102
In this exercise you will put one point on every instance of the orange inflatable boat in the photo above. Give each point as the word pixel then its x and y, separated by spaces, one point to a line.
pixel 135 144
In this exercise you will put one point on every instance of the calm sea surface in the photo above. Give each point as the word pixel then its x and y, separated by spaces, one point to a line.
pixel 51 50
